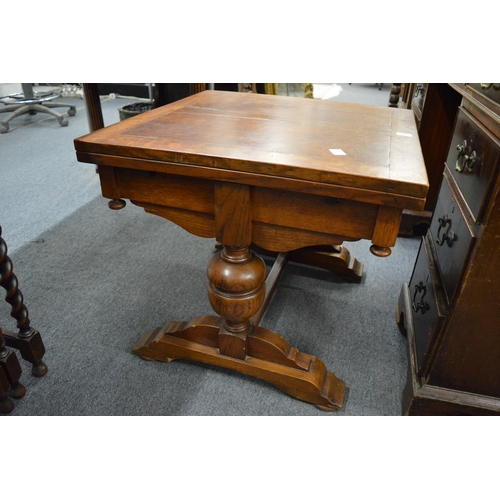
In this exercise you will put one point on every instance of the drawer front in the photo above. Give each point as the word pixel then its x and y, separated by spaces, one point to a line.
pixel 451 238
pixel 473 158
pixel 489 90
pixel 427 304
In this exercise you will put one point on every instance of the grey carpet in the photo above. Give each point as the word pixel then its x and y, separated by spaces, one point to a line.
pixel 41 181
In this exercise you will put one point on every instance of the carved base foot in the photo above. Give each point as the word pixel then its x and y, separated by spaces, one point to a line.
pixel 39 369
pixel 268 357
pixel 30 347
pixel 336 259
pixel 17 390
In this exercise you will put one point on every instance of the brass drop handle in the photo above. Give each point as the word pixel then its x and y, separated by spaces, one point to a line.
pixel 465 162
pixel 421 306
pixel 448 236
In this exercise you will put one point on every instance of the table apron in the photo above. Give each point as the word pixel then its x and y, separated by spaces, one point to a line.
pixel 281 220
pixel 349 190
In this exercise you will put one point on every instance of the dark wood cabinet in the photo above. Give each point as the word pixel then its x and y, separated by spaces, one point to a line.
pixel 434 107
pixel 450 308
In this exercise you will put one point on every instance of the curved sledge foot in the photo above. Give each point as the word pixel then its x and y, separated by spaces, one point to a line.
pixel 269 357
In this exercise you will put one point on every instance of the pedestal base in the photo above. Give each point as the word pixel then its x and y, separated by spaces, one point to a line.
pixel 269 357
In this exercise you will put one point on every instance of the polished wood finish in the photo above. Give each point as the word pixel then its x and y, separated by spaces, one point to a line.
pixel 454 367
pixel 274 172
pixel 27 340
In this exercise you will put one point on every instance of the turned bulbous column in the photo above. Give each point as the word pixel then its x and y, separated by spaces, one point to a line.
pixel 236 290
pixel 236 287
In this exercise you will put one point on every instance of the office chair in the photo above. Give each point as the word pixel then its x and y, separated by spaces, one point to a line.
pixel 31 102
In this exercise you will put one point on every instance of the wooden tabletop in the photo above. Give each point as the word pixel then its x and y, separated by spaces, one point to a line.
pixel 359 146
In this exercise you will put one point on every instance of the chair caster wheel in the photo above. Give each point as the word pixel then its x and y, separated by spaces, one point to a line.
pixel 71 112
pixel 64 123
pixel 4 129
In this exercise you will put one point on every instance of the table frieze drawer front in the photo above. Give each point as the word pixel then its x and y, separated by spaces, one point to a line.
pixel 428 303
pixel 451 238
pixel 472 158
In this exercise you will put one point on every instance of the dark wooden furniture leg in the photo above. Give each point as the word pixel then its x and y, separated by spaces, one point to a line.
pixel 93 103
pixel 10 371
pixel 28 340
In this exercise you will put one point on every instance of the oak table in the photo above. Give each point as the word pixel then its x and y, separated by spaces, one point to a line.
pixel 295 177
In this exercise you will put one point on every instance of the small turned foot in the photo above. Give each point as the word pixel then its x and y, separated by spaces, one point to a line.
pixel 380 251
pixel 17 390
pixel 39 369
pixel 117 204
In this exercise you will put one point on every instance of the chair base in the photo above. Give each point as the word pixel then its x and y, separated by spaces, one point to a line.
pixel 33 106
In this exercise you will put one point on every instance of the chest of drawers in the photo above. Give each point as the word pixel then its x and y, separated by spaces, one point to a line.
pixel 450 309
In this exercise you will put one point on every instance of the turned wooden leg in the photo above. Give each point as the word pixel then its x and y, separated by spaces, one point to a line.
pixel 236 291
pixel 27 340
pixel 386 230
pixel 394 96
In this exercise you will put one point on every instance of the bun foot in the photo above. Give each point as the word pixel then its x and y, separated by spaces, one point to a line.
pixel 116 204
pixel 39 369
pixel 380 251
pixel 17 390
